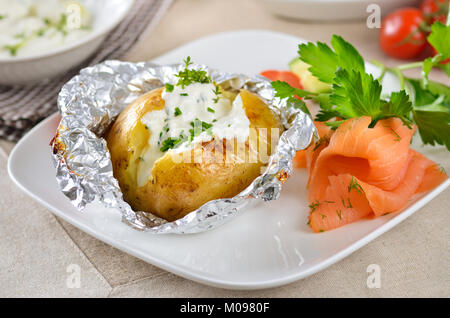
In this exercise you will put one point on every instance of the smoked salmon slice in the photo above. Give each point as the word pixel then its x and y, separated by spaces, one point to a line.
pixel 303 156
pixel 362 171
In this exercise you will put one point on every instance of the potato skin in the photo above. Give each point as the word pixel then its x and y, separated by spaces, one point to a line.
pixel 177 187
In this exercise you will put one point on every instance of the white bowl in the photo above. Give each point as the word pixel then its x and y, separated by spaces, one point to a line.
pixel 332 10
pixel 106 15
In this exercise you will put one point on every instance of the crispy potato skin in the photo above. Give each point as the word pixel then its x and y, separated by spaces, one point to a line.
pixel 177 187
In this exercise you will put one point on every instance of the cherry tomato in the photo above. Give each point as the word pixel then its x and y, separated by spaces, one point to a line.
pixel 401 35
pixel 284 76
pixel 434 10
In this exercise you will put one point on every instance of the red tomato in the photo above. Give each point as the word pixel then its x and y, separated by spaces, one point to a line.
pixel 434 10
pixel 284 76
pixel 401 35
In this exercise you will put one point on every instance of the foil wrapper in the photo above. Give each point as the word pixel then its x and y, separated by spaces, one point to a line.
pixel 91 101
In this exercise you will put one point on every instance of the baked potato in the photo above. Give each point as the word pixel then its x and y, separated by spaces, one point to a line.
pixel 171 188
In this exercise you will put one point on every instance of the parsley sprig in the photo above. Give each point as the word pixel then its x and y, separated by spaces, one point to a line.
pixel 356 93
pixel 188 76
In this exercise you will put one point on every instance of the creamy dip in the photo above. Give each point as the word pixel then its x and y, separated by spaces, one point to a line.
pixel 193 114
pixel 29 27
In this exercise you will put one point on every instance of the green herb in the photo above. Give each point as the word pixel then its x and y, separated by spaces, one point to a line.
pixel 177 112
pixel 2 17
pixel 355 185
pixel 189 76
pixel 323 216
pixel 321 230
pixel 211 110
pixel 20 35
pixel 13 48
pixel 171 142
pixel 349 206
pixel 339 213
pixel 356 93
pixel 47 21
pixel 198 127
pixel 313 206
pixel 214 120
pixel 183 94
pixel 41 32
pixel 169 87
pixel 217 92
pixel 61 26
pixel 146 127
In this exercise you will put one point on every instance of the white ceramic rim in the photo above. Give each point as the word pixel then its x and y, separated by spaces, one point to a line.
pixel 99 32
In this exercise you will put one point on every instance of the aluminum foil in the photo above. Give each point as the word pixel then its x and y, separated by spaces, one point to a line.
pixel 91 101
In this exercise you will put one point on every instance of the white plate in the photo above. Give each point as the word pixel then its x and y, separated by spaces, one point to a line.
pixel 269 245
pixel 333 10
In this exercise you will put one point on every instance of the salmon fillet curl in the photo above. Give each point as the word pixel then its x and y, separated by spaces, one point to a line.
pixel 362 171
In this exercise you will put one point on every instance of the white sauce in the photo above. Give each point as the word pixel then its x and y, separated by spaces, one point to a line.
pixel 29 27
pixel 228 120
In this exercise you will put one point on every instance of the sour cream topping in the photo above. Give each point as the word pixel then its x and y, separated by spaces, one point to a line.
pixel 193 114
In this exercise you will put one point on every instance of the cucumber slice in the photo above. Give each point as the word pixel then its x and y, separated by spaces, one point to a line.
pixel 308 81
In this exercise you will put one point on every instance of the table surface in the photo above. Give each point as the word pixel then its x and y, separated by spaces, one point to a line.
pixel 38 248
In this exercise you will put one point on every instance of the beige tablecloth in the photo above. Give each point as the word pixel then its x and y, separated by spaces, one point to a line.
pixel 37 248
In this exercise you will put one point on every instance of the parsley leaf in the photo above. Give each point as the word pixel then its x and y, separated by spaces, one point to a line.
pixel 399 106
pixel 177 112
pixel 356 94
pixel 283 90
pixel 322 59
pixel 439 38
pixel 431 112
pixel 169 87
pixel 348 57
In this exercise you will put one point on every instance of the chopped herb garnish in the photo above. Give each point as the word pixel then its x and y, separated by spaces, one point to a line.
pixel 349 206
pixel 198 127
pixel 13 48
pixel 189 76
pixel 214 120
pixel 20 35
pixel 2 17
pixel 62 24
pixel 323 216
pixel 47 21
pixel 177 112
pixel 184 94
pixel 146 127
pixel 339 213
pixel 169 87
pixel 355 185
pixel 40 32
pixel 211 110
pixel 217 92
pixel 313 206
pixel 321 230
